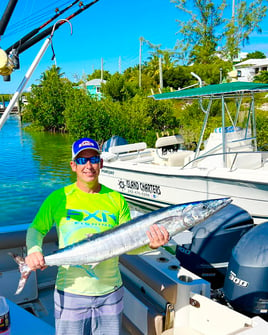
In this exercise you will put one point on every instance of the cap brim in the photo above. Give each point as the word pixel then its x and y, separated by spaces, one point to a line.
pixel 83 149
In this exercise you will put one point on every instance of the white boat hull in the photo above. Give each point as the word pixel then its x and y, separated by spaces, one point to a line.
pixel 159 186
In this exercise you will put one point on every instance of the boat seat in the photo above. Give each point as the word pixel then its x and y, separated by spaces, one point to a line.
pixel 168 140
pixel 119 149
pixel 178 158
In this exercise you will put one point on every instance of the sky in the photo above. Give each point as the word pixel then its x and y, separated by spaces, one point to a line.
pixel 110 30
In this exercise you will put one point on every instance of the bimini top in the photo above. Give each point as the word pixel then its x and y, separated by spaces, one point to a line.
pixel 214 91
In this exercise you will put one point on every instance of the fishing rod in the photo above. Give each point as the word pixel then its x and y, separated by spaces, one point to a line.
pixel 9 59
pixel 26 78
pixel 40 36
pixel 36 30
pixel 7 15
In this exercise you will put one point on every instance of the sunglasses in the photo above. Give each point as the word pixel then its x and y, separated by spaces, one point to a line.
pixel 84 160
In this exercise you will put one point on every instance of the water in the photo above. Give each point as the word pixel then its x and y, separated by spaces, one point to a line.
pixel 32 166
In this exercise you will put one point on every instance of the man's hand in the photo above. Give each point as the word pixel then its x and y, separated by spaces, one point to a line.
pixel 158 236
pixel 36 261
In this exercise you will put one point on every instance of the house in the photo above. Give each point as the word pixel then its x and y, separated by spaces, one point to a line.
pixel 246 70
pixel 94 87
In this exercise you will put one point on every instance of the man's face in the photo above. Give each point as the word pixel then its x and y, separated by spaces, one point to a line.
pixel 88 172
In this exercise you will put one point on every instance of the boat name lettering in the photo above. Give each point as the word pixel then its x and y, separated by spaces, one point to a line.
pixel 139 186
pixel 132 184
pixel 237 281
pixel 150 188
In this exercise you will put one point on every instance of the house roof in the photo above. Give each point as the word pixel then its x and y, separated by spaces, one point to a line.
pixel 214 91
pixel 252 63
pixel 95 82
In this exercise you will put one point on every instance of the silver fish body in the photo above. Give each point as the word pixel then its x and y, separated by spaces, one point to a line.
pixel 128 236
pixel 132 234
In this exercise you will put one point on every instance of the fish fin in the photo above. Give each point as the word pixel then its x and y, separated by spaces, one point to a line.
pixel 25 271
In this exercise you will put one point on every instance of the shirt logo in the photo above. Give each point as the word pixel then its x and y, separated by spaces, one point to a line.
pixel 83 215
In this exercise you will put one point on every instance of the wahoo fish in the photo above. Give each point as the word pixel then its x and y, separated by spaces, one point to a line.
pixel 128 236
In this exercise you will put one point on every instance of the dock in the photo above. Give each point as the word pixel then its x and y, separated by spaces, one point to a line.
pixel 14 110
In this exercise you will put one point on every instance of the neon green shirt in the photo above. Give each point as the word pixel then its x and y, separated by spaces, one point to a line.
pixel 76 214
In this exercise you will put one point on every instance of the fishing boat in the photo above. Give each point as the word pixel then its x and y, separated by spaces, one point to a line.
pixel 227 163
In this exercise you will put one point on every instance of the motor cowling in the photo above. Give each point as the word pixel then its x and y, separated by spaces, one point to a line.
pixel 113 141
pixel 246 282
pixel 212 243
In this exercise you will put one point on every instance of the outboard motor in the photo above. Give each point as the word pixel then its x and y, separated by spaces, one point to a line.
pixel 212 243
pixel 246 282
pixel 113 141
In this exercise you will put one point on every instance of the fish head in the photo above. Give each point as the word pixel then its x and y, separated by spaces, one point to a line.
pixel 197 212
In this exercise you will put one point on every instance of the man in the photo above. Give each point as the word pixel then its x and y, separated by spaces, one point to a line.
pixel 87 301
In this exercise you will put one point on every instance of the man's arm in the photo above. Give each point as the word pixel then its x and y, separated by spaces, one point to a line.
pixel 34 240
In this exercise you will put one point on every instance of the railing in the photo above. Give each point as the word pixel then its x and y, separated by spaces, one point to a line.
pixel 263 154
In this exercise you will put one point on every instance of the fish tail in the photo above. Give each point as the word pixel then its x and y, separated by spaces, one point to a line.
pixel 25 271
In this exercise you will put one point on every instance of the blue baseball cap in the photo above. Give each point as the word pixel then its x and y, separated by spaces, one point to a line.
pixel 84 144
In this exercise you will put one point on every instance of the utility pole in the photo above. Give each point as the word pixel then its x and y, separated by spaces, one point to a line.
pixel 160 73
pixel 119 64
pixel 141 41
pixel 101 69
pixel 233 10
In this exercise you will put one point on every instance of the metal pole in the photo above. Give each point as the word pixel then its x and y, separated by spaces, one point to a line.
pixel 233 10
pixel 24 81
pixel 160 73
pixel 198 78
pixel 101 69
pixel 223 133
pixel 141 39
pixel 119 64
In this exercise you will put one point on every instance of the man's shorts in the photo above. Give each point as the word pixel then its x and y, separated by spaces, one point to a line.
pixel 86 315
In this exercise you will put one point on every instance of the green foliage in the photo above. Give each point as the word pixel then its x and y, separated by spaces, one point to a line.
pixel 119 89
pixel 144 118
pixel 46 102
pixel 199 39
pixel 126 110
pixel 5 97
pixel 97 75
pixel 262 77
pixel 237 30
pixel 211 73
pixel 262 126
pixel 255 55
pixel 78 113
pixel 204 28
pixel 177 77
